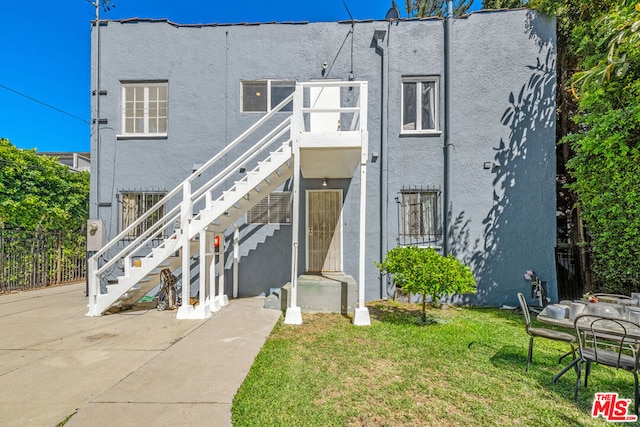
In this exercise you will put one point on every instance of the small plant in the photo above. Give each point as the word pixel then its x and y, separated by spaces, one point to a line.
pixel 425 272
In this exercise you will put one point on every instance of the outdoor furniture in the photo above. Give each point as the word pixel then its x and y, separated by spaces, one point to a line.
pixel 543 333
pixel 607 341
pixel 616 296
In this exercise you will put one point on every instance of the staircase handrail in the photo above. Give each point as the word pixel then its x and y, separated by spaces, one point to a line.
pixel 178 189
pixel 247 156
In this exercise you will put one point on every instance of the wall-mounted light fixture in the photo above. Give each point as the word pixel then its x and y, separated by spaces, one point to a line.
pixel 324 182
pixel 491 165
pixel 374 157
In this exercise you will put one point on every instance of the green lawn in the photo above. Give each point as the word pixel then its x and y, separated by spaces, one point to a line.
pixel 464 367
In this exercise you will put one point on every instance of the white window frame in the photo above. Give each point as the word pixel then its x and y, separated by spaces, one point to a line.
pixel 270 84
pixel 147 87
pixel 281 199
pixel 419 81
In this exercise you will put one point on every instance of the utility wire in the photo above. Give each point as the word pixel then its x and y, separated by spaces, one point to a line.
pixel 44 103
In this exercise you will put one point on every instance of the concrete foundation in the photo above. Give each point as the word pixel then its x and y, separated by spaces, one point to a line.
pixel 329 293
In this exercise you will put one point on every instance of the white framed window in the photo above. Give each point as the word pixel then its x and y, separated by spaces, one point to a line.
pixel 273 209
pixel 418 219
pixel 420 105
pixel 144 108
pixel 133 204
pixel 263 95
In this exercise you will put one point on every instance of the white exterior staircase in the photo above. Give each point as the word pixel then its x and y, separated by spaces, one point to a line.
pixel 143 258
pixel 325 137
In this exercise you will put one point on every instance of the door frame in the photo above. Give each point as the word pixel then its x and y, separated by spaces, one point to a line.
pixel 307 224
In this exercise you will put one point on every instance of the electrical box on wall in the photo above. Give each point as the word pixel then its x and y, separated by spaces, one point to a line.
pixel 95 235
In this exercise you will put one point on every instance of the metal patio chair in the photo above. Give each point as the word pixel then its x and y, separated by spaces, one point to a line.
pixel 609 342
pixel 544 333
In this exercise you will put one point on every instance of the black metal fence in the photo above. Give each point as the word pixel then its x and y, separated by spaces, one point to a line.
pixel 571 285
pixel 30 260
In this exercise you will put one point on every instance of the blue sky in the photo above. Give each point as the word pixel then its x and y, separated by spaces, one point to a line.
pixel 45 51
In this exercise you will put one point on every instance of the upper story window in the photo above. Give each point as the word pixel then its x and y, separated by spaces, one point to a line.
pixel 263 95
pixel 420 105
pixel 144 109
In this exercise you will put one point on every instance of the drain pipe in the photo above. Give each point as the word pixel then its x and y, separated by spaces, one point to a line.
pixel 447 128
pixel 381 49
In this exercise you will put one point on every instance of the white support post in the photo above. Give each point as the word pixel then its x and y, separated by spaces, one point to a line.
pixel 222 297
pixel 236 258
pixel 94 287
pixel 186 213
pixel 211 278
pixel 361 317
pixel 293 315
pixel 202 310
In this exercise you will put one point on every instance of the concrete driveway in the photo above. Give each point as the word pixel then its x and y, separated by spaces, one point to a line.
pixel 128 369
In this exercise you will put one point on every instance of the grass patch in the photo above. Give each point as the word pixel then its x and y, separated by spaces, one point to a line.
pixel 460 367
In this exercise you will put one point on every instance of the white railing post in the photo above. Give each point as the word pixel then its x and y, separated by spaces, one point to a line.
pixel 186 213
pixel 361 316
pixel 293 315
pixel 94 284
pixel 222 297
pixel 236 258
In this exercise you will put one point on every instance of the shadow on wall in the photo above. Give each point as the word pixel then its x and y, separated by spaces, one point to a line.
pixel 518 189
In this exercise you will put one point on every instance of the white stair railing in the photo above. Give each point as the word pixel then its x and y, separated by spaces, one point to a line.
pixel 157 223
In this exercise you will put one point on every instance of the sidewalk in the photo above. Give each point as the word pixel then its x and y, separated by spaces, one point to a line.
pixel 128 369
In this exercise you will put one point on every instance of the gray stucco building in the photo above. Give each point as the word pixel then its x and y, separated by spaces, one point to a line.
pixel 477 180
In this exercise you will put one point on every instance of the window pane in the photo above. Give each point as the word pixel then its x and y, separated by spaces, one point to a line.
pixel 429 213
pixel 162 125
pixel 153 94
pixel 128 126
pixel 279 91
pixel 409 114
pixel 254 96
pixel 153 125
pixel 162 93
pixel 428 106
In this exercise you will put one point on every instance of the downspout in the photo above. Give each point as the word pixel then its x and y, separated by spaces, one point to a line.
pixel 447 128
pixel 381 49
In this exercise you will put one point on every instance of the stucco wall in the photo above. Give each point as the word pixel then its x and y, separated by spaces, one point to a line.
pixel 504 216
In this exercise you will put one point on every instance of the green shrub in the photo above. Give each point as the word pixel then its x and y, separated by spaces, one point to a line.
pixel 425 272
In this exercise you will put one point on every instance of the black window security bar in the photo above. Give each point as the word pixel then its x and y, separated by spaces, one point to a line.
pixel 419 215
pixel 134 203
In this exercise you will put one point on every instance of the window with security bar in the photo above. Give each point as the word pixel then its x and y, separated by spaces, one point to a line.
pixel 273 209
pixel 133 205
pixel 418 215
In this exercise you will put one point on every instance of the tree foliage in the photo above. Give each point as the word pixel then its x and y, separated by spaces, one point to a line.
pixel 503 4
pixel 425 8
pixel 426 272
pixel 606 164
pixel 38 193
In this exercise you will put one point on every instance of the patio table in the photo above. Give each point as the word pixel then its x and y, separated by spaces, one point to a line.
pixel 621 312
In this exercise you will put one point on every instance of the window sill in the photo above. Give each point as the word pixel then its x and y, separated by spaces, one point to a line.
pixel 142 136
pixel 420 133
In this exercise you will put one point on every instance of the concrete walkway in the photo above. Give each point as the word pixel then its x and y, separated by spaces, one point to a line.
pixel 127 369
